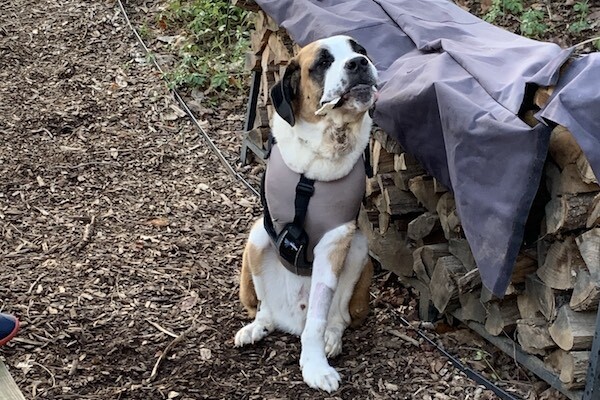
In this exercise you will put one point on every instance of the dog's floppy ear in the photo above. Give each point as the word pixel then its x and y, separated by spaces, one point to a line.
pixel 284 92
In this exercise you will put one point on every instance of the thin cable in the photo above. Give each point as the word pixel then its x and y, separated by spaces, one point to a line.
pixel 189 112
pixel 474 375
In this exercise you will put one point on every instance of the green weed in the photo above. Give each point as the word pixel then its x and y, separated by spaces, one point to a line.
pixel 582 8
pixel 212 59
pixel 531 23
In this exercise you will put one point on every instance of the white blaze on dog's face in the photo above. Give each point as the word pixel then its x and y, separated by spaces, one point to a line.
pixel 329 75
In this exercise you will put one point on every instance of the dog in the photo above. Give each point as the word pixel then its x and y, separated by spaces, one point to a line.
pixel 321 129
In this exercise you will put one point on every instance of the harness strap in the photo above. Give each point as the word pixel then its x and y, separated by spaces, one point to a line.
pixel 304 191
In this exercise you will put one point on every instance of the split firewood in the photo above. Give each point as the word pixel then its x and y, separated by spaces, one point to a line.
pixel 586 293
pixel 471 307
pixel 563 147
pixel 542 95
pixel 594 216
pixel 548 300
pixel 525 264
pixel 423 226
pixel 384 222
pixel 585 170
pixel 404 161
pixel 588 244
pixel 439 187
pixel 528 306
pixel 567 181
pixel 428 256
pixel 533 335
pixel 573 330
pixel 399 202
pixel 372 187
pixel 390 144
pixel 469 281
pixel 568 212
pixel 383 162
pixel 446 209
pixel 571 366
pixel 443 286
pixel 562 262
pixel 460 249
pixel 281 55
pixel 390 250
pixel 502 316
pixel 403 177
pixel 422 188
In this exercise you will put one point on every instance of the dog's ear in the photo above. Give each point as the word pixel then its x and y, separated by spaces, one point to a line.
pixel 285 91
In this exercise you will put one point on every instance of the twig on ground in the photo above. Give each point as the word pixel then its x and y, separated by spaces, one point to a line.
pixel 88 231
pixel 166 351
pixel 160 328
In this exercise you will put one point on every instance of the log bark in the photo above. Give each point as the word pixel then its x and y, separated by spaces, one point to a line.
pixel 568 212
pixel 443 287
pixel 469 281
pixel 585 170
pixel 573 330
pixel 533 335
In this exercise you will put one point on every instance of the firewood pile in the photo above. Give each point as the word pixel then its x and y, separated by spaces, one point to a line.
pixel 414 230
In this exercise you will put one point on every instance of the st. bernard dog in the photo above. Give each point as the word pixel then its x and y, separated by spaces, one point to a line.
pixel 321 130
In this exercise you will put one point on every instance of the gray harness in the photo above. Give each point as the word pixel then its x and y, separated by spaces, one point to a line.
pixel 327 206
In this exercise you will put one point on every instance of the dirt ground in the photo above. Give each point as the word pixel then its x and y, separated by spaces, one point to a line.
pixel 120 230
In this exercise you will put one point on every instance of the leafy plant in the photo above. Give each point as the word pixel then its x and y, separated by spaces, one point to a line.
pixel 582 8
pixel 501 8
pixel 217 36
pixel 531 23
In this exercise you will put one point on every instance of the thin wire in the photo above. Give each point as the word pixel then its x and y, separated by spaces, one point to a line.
pixel 189 112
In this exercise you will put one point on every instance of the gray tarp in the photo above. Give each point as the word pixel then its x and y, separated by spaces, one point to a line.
pixel 451 86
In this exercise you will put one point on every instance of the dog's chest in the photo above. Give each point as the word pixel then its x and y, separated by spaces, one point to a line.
pixel 332 204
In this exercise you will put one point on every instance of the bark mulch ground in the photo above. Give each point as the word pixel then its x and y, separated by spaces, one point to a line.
pixel 121 239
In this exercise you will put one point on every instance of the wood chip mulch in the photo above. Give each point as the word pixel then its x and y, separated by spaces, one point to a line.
pixel 121 239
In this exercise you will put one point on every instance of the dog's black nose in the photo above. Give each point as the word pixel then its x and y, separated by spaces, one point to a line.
pixel 357 64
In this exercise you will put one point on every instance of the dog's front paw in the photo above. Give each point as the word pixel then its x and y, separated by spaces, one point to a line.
pixel 321 376
pixel 333 342
pixel 251 334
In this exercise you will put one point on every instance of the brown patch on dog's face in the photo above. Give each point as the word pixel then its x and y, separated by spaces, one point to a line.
pixel 309 90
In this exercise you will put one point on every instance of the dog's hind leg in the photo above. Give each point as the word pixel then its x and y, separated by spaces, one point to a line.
pixel 252 288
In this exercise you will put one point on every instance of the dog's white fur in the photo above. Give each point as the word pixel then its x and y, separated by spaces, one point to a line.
pixel 317 307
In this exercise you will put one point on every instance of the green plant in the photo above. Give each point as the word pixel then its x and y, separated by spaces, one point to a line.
pixel 501 8
pixel 531 23
pixel 217 37
pixel 582 8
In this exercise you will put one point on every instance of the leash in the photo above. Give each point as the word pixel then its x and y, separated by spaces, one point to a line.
pixel 472 374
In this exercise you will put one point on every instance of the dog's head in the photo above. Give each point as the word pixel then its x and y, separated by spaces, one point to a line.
pixel 332 75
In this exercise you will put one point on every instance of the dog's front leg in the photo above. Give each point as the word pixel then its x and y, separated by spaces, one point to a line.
pixel 330 254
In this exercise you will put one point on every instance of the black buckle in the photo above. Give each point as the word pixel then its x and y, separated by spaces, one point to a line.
pixel 305 188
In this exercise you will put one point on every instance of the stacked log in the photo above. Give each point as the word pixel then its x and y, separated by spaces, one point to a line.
pixel 414 230
pixel 270 51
